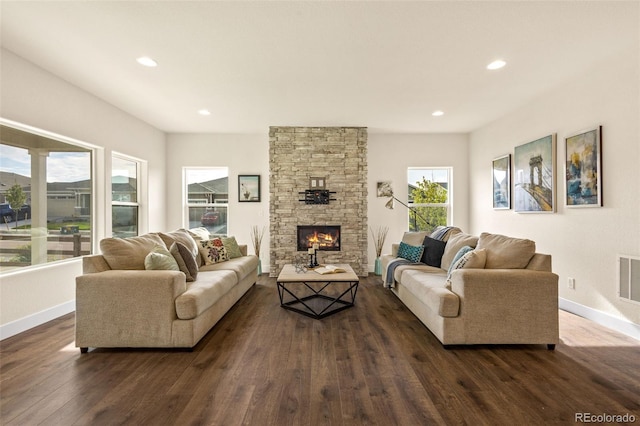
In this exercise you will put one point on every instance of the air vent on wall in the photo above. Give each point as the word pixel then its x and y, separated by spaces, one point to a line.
pixel 629 278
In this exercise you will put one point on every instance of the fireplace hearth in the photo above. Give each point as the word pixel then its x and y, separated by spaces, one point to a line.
pixel 326 236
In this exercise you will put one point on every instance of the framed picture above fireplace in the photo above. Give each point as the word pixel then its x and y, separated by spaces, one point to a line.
pixel 248 188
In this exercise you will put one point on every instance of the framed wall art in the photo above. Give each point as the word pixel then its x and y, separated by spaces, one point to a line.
pixel 583 168
pixel 534 176
pixel 248 188
pixel 501 177
pixel 384 189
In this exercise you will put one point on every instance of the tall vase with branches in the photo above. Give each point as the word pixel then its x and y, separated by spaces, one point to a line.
pixel 379 236
pixel 256 238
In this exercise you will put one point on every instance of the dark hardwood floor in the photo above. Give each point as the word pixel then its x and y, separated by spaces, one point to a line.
pixel 372 364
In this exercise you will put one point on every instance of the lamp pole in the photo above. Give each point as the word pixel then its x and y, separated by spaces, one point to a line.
pixel 389 205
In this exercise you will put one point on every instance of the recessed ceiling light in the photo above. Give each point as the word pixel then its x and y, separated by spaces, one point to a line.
pixel 204 112
pixel 147 61
pixel 496 65
pixel 437 113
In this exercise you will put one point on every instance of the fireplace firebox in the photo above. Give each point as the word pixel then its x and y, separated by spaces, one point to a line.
pixel 326 236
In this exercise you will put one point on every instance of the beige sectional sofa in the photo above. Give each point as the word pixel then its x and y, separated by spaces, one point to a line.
pixel 121 303
pixel 500 291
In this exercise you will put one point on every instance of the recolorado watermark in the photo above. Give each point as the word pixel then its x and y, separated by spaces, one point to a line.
pixel 604 418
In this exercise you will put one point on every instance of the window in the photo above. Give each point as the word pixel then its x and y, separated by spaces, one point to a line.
pixel 124 196
pixel 46 189
pixel 207 198
pixel 429 198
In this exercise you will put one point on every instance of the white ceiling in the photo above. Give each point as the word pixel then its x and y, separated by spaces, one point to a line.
pixel 383 65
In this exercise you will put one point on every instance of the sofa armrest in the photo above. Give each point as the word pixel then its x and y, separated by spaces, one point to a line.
pixel 394 249
pixel 526 300
pixel 120 308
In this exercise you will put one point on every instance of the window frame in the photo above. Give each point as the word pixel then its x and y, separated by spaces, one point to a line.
pixel 96 155
pixel 212 203
pixel 137 204
pixel 448 205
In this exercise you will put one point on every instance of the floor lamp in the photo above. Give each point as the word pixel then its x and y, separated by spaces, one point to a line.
pixel 390 206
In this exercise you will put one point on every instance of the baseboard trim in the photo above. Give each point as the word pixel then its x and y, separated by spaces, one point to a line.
pixel 607 320
pixel 23 324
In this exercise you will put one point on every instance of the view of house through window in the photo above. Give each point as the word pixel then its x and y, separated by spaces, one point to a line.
pixel 124 197
pixel 45 198
pixel 429 198
pixel 207 198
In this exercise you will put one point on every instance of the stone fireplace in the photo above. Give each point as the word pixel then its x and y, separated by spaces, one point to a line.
pixel 327 237
pixel 300 157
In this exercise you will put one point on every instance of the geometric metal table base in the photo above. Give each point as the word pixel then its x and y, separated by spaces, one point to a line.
pixel 317 305
pixel 315 295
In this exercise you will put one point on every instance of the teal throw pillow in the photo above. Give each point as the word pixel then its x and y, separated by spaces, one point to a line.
pixel 411 253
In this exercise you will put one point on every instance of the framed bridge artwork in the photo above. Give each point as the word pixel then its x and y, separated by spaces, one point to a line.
pixel 583 164
pixel 534 176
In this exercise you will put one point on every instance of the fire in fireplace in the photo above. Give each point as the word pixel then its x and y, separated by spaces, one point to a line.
pixel 326 236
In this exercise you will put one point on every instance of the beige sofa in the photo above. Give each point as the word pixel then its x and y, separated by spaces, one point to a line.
pixel 509 296
pixel 121 304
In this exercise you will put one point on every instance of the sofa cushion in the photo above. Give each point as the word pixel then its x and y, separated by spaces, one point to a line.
pixel 160 259
pixel 200 233
pixel 414 238
pixel 242 266
pixel 455 243
pixel 213 251
pixel 443 233
pixel 433 251
pixel 204 292
pixel 185 259
pixel 430 289
pixel 409 252
pixel 506 252
pixel 129 253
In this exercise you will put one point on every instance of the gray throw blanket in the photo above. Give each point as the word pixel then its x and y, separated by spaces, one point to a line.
pixel 391 268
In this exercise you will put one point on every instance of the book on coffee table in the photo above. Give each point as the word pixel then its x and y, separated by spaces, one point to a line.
pixel 329 269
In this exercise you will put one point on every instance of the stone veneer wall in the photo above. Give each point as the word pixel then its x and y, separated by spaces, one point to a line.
pixel 340 155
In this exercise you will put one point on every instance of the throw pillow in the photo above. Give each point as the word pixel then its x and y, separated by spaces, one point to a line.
pixel 213 251
pixel 180 236
pixel 409 252
pixel 128 253
pixel 185 259
pixel 160 259
pixel 455 243
pixel 506 252
pixel 433 250
pixel 233 250
pixel 463 250
pixel 472 259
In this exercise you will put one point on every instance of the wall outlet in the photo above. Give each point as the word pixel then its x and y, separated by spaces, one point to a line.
pixel 571 283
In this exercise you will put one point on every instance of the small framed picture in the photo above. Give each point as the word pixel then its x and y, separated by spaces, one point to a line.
pixel 248 188
pixel 317 183
pixel 384 189
pixel 501 176
pixel 583 168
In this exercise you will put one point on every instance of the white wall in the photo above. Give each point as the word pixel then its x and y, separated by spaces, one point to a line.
pixel 389 157
pixel 37 98
pixel 583 242
pixel 243 155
